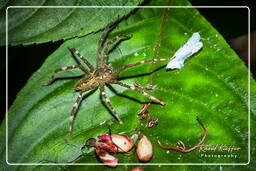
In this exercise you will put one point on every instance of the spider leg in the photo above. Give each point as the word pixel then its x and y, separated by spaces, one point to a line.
pixel 109 105
pixel 63 69
pixel 111 42
pixel 142 62
pixel 75 108
pixel 108 28
pixel 73 50
pixel 137 90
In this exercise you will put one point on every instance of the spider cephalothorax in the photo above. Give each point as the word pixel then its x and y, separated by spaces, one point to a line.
pixel 96 79
pixel 102 75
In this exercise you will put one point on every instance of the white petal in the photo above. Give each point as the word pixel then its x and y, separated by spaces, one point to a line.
pixel 175 64
pixel 192 46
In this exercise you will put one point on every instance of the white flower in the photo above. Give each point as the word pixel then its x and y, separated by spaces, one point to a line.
pixel 192 46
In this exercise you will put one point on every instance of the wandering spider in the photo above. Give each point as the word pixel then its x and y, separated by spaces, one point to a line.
pixel 101 75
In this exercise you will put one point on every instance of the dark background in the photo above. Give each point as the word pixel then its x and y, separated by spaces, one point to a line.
pixel 232 23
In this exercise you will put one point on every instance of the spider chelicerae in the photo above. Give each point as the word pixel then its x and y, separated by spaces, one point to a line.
pixel 102 75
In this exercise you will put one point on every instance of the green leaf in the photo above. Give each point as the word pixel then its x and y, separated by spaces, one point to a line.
pixel 212 85
pixel 39 25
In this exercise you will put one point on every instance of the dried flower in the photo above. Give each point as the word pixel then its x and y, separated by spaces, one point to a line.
pixel 106 158
pixel 144 116
pixel 144 149
pixel 144 108
pixel 135 137
pixel 107 143
pixel 152 122
pixel 181 145
pixel 117 143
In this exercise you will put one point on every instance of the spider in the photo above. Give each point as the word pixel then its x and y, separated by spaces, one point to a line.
pixel 102 75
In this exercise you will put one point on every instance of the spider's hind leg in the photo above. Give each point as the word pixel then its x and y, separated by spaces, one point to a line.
pixel 74 111
pixel 75 108
pixel 62 69
pixel 111 42
pixel 109 105
pixel 139 91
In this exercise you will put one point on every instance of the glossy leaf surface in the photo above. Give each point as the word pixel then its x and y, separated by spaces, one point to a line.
pixel 38 25
pixel 212 85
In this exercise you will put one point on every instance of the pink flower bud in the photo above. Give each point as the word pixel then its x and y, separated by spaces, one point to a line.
pixel 117 143
pixel 106 143
pixel 144 149
pixel 106 158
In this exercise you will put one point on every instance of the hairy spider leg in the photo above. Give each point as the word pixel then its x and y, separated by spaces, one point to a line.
pixel 109 105
pixel 142 62
pixel 75 108
pixel 111 42
pixel 108 28
pixel 73 112
pixel 76 52
pixel 137 90
pixel 64 69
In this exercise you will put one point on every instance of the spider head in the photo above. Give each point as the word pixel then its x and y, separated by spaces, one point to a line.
pixel 104 74
pixel 105 70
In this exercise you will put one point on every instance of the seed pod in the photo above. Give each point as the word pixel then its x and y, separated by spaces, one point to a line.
pixel 106 158
pixel 144 149
pixel 152 122
pixel 123 142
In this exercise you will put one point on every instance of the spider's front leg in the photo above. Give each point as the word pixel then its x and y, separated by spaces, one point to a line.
pixel 141 63
pixel 108 28
pixel 138 90
pixel 109 105
pixel 73 50
pixel 63 69
pixel 111 42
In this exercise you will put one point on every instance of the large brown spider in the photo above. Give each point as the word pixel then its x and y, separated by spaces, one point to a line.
pixel 101 75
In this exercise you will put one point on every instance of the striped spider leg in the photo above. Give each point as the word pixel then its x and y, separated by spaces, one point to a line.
pixel 82 90
pixel 53 77
pixel 109 105
pixel 123 68
pixel 138 91
pixel 102 75
pixel 75 108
